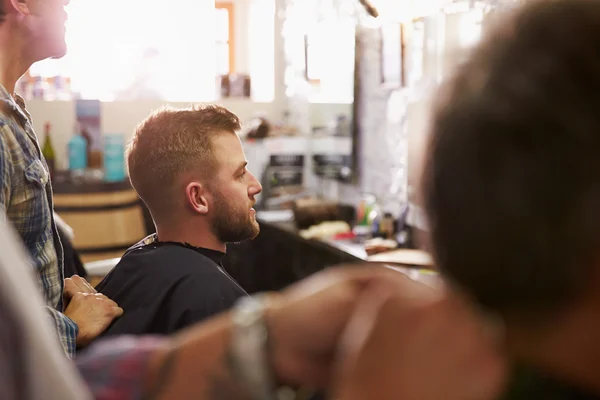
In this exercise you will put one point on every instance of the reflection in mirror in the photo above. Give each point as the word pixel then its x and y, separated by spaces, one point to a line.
pixel 333 78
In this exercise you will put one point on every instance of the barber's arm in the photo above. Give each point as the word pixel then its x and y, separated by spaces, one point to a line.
pixel 339 330
pixel 209 361
pixel 418 346
pixel 86 316
pixel 303 323
pixel 66 329
pixel 90 311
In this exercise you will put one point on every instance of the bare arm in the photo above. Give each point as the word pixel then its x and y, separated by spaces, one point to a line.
pixel 302 342
pixel 200 358
pixel 195 364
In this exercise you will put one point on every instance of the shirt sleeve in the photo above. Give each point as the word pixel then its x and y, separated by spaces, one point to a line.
pixel 66 329
pixel 6 170
pixel 115 369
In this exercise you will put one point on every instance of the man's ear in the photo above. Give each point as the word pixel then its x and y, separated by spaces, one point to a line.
pixel 196 197
pixel 21 6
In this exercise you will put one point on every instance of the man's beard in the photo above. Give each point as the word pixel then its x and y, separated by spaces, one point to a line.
pixel 231 223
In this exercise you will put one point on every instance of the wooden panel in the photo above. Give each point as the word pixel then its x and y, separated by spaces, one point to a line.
pixel 110 228
pixel 105 224
pixel 95 280
pixel 94 199
pixel 101 256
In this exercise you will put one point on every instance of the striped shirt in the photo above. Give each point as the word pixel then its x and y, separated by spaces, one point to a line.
pixel 26 199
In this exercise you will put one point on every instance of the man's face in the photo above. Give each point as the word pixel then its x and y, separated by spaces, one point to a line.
pixel 233 189
pixel 46 27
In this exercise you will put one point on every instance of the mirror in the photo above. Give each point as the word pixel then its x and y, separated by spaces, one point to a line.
pixel 331 72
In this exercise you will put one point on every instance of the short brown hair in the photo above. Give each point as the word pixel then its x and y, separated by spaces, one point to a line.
pixel 169 142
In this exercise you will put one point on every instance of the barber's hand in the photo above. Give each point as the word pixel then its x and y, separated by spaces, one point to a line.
pixel 307 320
pixel 77 284
pixel 93 313
pixel 424 349
pixel 74 285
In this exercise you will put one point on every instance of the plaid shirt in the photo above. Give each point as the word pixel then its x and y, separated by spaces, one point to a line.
pixel 32 368
pixel 115 369
pixel 26 199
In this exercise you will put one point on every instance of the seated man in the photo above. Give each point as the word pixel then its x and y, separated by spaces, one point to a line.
pixel 189 168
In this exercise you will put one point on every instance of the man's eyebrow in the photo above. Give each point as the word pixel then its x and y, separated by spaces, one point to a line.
pixel 241 167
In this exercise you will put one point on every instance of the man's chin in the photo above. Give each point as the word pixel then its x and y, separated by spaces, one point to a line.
pixel 256 229
pixel 242 236
pixel 59 54
pixel 57 49
pixel 254 235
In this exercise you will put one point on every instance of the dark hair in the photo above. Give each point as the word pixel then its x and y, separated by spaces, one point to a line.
pixel 512 180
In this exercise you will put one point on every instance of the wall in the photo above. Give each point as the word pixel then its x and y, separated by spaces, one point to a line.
pixel 393 123
pixel 382 142
pixel 387 119
pixel 122 117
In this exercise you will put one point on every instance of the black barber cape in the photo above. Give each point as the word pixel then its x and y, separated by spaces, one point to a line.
pixel 165 286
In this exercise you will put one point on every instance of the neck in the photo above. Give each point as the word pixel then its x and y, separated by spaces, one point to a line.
pixel 13 64
pixel 192 235
pixel 566 348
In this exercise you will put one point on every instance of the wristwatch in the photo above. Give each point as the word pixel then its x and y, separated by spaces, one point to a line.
pixel 250 353
pixel 249 348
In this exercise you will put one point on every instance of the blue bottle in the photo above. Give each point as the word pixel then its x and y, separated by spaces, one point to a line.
pixel 77 154
pixel 114 158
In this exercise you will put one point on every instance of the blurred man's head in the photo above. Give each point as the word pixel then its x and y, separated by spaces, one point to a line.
pixel 36 28
pixel 189 167
pixel 512 182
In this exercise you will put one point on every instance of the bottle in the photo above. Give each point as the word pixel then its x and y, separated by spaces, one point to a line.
pixel 366 213
pixel 114 158
pixel 77 155
pixel 386 226
pixel 342 126
pixel 404 232
pixel 88 145
pixel 48 150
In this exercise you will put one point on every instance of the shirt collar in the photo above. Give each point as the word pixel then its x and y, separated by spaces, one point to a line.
pixel 15 103
pixel 214 255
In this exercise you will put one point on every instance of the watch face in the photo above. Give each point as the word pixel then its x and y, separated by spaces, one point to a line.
pixel 528 383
